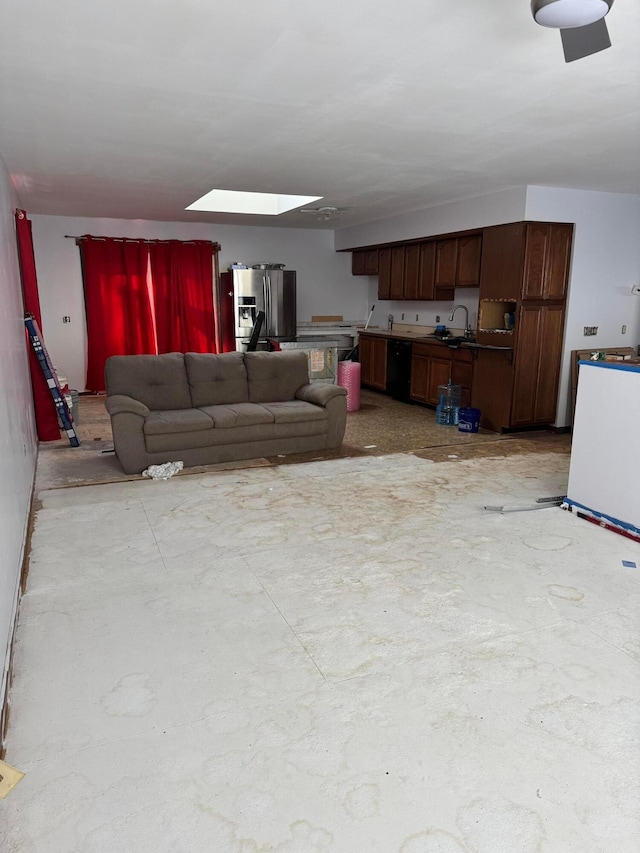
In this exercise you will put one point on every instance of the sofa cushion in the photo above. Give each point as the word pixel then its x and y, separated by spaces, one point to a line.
pixel 176 420
pixel 175 442
pixel 295 411
pixel 275 376
pixel 158 381
pixel 237 415
pixel 216 379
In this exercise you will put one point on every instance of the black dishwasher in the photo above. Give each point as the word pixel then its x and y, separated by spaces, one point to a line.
pixel 399 370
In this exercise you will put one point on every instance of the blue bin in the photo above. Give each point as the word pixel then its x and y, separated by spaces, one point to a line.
pixel 469 420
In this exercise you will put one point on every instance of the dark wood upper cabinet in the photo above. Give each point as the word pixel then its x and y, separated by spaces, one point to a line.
pixel 384 273
pixel 468 263
pixel 396 287
pixel 364 262
pixel 357 263
pixel 546 264
pixel 502 258
pixel 427 271
pixel 526 261
pixel 445 272
pixel 411 271
pixel 371 262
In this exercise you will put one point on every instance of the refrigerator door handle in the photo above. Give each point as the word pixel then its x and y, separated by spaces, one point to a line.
pixel 267 303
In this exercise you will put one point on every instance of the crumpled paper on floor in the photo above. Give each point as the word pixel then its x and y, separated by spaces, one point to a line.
pixel 164 471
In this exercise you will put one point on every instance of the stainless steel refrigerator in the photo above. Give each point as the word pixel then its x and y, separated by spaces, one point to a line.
pixel 272 291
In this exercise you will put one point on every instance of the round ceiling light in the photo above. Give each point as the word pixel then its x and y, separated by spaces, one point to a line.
pixel 565 14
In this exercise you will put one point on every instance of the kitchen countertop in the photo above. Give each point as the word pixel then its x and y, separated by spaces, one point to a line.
pixel 421 337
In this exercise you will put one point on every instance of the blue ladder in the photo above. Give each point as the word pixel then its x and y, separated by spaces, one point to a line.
pixel 64 415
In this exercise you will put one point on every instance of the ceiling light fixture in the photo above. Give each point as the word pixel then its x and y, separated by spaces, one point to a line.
pixel 581 23
pixel 324 214
pixel 565 14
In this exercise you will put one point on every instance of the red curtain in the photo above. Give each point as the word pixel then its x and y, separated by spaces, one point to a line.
pixel 118 308
pixel 45 410
pixel 182 280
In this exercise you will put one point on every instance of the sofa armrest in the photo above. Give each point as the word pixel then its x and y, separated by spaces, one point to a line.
pixel 119 403
pixel 320 393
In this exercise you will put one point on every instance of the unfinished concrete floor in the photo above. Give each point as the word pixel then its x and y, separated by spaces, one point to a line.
pixel 381 426
pixel 337 656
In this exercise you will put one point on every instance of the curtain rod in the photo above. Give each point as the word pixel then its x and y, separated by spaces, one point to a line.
pixel 216 246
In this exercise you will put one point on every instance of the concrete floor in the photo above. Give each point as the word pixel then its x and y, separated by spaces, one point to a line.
pixel 380 426
pixel 337 656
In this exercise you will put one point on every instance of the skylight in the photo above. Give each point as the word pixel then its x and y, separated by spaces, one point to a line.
pixel 231 201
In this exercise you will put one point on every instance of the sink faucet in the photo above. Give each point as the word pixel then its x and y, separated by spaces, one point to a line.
pixel 467 328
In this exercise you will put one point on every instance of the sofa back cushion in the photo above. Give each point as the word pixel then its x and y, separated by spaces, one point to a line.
pixel 216 380
pixel 158 381
pixel 275 376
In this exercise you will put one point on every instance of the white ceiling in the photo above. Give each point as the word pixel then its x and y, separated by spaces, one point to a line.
pixel 135 109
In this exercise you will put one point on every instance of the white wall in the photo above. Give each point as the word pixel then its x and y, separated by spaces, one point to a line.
pixel 478 212
pixel 325 283
pixel 18 443
pixel 605 265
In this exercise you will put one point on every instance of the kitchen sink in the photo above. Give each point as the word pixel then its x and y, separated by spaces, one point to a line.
pixel 453 341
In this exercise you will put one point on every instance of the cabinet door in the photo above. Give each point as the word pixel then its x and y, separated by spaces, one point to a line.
pixel 559 258
pixel 371 262
pixel 439 374
pixel 462 373
pixel 397 272
pixel 357 263
pixel 384 273
pixel 502 258
pixel 536 256
pixel 551 333
pixel 379 368
pixel 419 374
pixel 364 262
pixel 427 271
pixel 468 263
pixel 411 270
pixel 446 262
pixel 365 354
pixel 537 366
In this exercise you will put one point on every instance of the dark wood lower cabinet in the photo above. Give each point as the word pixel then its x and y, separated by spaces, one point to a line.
pixel 419 373
pixel 492 387
pixel 515 389
pixel 537 364
pixel 373 362
pixel 512 388
pixel 435 364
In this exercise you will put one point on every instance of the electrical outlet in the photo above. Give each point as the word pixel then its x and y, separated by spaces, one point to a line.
pixel 66 319
pixel 590 330
pixel 416 318
pixel 437 318
pixel 624 330
pixel 403 316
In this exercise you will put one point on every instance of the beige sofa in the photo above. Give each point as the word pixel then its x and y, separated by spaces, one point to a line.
pixel 203 408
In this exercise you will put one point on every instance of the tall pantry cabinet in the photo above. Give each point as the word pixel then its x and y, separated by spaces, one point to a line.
pixel 523 289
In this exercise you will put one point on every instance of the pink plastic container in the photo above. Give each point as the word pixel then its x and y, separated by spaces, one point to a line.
pixel 349 378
